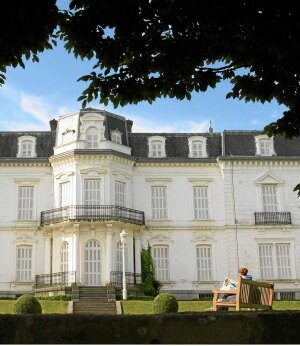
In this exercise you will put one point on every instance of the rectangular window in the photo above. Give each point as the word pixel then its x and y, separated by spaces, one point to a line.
pixel 200 202
pixel 120 193
pixel 269 195
pixel 24 263
pixel 265 147
pixel 204 262
pixel 197 149
pixel 92 191
pixel 27 149
pixel 159 202
pixel 25 203
pixel 161 262
pixel 275 261
pixel 156 149
pixel 65 194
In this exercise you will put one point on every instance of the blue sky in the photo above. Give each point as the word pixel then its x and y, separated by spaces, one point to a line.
pixel 48 89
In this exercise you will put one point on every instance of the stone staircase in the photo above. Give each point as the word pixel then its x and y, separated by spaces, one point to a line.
pixel 99 300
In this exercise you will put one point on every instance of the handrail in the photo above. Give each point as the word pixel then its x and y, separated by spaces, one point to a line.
pixel 92 212
pixel 273 218
pixel 55 279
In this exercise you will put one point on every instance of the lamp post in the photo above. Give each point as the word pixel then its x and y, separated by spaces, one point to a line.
pixel 123 236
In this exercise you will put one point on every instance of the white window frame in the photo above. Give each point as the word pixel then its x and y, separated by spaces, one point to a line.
pixel 26 152
pixel 261 142
pixel 157 146
pixel 269 193
pixel 272 268
pixel 159 202
pixel 196 152
pixel 204 262
pixel 24 263
pixel 161 261
pixel 116 136
pixel 65 256
pixel 119 257
pixel 120 193
pixel 93 262
pixel 65 193
pixel 26 195
pixel 200 198
pixel 92 137
pixel 91 195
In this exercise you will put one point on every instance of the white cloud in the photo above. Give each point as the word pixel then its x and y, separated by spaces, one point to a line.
pixel 35 106
pixel 13 125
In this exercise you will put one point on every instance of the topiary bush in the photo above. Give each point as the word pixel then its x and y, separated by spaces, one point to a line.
pixel 27 304
pixel 164 303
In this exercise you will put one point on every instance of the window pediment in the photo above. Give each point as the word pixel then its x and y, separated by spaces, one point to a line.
pixel 268 178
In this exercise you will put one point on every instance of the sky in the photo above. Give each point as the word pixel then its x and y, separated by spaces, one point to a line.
pixel 48 89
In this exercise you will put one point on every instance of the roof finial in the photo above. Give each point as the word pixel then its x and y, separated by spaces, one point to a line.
pixel 210 129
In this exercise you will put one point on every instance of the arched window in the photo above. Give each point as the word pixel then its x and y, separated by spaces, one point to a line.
pixel 119 257
pixel 157 146
pixel 197 146
pixel 26 146
pixel 116 136
pixel 64 256
pixel 92 263
pixel 92 138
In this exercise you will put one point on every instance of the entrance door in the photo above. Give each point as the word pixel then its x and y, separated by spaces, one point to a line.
pixel 92 263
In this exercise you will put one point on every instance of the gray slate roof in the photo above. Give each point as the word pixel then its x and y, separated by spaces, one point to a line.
pixel 45 141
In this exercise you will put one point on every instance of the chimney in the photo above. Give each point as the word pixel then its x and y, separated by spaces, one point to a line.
pixel 53 125
pixel 129 124
pixel 210 129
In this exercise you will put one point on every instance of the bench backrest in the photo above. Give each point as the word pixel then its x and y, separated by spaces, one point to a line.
pixel 254 294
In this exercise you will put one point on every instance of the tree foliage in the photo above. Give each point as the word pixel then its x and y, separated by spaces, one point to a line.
pixel 147 49
pixel 149 285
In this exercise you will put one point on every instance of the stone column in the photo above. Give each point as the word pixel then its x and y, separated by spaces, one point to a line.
pixel 109 251
pixel 76 253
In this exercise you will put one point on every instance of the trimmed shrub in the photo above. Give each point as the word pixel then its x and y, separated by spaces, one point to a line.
pixel 27 304
pixel 65 297
pixel 164 303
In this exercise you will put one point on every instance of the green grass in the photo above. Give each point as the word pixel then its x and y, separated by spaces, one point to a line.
pixel 48 306
pixel 135 307
pixel 138 307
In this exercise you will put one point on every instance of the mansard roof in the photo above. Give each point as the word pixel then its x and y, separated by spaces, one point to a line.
pixel 45 141
pixel 242 143
pixel 176 144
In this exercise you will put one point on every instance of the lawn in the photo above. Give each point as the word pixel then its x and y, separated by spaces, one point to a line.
pixel 134 307
pixel 48 306
pixel 138 307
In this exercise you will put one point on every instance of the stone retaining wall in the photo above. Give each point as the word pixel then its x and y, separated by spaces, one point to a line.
pixel 181 328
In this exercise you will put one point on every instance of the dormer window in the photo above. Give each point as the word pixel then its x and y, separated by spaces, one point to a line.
pixel 264 146
pixel 197 147
pixel 157 146
pixel 116 136
pixel 92 138
pixel 26 146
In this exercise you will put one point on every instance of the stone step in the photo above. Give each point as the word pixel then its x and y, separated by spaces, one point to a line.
pixel 94 308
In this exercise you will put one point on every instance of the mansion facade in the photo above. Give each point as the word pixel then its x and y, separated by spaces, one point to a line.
pixel 205 203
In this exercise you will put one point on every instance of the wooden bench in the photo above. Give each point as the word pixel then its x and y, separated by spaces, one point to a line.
pixel 249 294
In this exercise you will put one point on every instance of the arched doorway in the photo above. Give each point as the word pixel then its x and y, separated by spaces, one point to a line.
pixel 92 263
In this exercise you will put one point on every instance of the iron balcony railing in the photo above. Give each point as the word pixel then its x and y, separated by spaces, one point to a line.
pixel 55 279
pixel 132 279
pixel 273 218
pixel 92 212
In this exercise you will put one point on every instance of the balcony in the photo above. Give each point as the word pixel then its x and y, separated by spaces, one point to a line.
pixel 273 218
pixel 92 213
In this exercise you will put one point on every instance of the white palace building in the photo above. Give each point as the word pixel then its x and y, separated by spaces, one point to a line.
pixel 205 202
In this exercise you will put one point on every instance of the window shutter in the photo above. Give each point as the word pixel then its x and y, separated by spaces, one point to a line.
pixel 159 202
pixel 92 193
pixel 204 262
pixel 200 202
pixel 24 263
pixel 161 262
pixel 283 261
pixel 269 193
pixel 25 203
